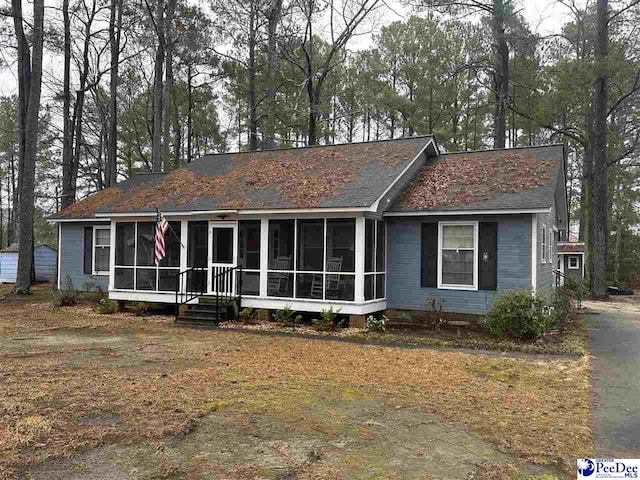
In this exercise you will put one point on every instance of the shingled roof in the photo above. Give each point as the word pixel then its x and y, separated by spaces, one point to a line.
pixel 520 178
pixel 349 175
pixel 571 247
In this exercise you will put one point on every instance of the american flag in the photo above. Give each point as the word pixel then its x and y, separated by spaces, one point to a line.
pixel 161 228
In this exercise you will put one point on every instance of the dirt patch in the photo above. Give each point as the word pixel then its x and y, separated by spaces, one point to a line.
pixel 617 303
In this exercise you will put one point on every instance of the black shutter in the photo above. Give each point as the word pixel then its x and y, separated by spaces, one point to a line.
pixel 488 257
pixel 429 255
pixel 88 250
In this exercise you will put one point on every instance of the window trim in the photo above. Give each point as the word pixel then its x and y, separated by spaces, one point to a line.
pixel 543 255
pixel 95 246
pixel 551 238
pixel 577 259
pixel 446 286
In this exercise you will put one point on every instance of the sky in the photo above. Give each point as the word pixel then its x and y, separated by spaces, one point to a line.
pixel 544 16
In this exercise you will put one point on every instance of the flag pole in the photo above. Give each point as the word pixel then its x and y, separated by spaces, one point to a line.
pixel 170 228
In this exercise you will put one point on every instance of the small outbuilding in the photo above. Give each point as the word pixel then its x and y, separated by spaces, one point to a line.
pixel 571 258
pixel 45 258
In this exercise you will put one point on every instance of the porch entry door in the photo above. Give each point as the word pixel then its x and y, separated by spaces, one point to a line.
pixel 223 253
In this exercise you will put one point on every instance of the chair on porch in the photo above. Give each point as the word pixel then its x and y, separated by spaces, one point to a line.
pixel 334 266
pixel 279 282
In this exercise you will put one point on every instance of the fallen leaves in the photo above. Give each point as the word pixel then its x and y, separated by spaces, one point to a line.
pixel 465 179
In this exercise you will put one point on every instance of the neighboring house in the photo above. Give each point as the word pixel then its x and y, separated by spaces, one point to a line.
pixel 361 227
pixel 45 259
pixel 571 260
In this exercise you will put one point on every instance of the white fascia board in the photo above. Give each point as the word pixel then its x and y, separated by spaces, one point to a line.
pixel 570 253
pixel 293 211
pixel 374 206
pixel 189 213
pixel 75 220
pixel 465 212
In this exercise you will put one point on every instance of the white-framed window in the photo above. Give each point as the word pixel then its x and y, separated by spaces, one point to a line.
pixel 574 262
pixel 458 255
pixel 543 256
pixel 312 258
pixel 101 250
pixel 551 237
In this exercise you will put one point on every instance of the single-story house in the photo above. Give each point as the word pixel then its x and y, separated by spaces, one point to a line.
pixel 361 227
pixel 45 263
pixel 571 260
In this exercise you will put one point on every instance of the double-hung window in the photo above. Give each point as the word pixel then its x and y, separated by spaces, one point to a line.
pixel 457 259
pixel 551 238
pixel 543 256
pixel 101 250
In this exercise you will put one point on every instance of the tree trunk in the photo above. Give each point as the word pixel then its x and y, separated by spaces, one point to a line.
pixel 273 66
pixel 66 109
pixel 190 113
pixel 251 72
pixel 115 26
pixel 501 76
pixel 31 99
pixel 156 142
pixel 599 202
pixel 168 85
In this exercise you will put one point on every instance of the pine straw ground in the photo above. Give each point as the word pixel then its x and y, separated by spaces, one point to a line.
pixel 72 380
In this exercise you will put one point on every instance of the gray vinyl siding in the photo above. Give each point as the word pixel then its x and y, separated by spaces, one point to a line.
pixel 545 277
pixel 45 259
pixel 72 256
pixel 404 264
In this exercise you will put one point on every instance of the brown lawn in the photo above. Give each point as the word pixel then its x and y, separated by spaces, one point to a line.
pixel 91 396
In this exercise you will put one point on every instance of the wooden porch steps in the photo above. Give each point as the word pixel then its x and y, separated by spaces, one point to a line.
pixel 206 313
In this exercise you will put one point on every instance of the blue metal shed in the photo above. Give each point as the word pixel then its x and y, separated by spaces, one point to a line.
pixel 45 258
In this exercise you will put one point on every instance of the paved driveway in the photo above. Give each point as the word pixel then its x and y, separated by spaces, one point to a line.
pixel 615 349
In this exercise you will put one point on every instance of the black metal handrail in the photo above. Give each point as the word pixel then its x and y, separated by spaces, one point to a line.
pixel 558 275
pixel 226 286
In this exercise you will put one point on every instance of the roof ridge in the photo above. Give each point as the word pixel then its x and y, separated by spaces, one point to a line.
pixel 414 137
pixel 522 147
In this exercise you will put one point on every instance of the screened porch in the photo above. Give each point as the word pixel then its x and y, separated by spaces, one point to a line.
pixel 286 260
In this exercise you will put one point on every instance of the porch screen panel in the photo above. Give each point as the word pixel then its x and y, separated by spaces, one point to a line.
pixel 249 255
pixel 375 259
pixel 310 259
pixel 310 245
pixel 281 257
pixel 125 256
pixel 170 264
pixel 145 245
pixel 340 265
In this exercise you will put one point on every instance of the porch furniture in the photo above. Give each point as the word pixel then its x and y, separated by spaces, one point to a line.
pixel 279 282
pixel 334 267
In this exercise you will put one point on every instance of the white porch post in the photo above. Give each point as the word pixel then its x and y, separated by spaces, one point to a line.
pixel 112 257
pixel 360 248
pixel 264 255
pixel 184 239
